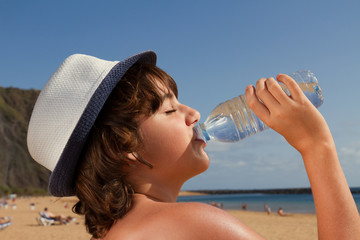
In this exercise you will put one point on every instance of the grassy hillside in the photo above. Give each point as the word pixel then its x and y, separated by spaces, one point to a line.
pixel 18 172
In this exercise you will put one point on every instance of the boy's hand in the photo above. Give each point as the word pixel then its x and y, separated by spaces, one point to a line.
pixel 294 116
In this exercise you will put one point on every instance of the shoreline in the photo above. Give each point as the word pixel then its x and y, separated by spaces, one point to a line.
pixel 290 203
pixel 304 190
pixel 246 191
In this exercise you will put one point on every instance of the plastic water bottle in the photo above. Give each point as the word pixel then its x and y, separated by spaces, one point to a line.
pixel 233 120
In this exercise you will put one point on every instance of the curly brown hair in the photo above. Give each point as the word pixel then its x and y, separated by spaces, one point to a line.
pixel 101 184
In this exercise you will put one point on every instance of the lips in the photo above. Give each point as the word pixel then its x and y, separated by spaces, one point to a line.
pixel 197 137
pixel 196 133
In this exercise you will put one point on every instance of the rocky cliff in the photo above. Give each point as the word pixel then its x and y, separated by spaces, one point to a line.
pixel 19 173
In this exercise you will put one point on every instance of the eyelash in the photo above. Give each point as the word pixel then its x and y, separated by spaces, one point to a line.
pixel 171 111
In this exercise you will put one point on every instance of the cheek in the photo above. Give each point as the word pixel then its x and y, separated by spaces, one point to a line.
pixel 161 145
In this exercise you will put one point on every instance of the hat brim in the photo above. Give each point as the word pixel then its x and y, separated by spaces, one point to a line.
pixel 62 179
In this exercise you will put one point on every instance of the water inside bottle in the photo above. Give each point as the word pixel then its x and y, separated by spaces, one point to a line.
pixel 311 90
pixel 233 120
pixel 309 85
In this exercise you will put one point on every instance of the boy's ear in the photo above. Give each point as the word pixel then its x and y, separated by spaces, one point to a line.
pixel 132 156
pixel 135 158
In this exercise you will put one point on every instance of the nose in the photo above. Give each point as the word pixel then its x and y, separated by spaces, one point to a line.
pixel 192 116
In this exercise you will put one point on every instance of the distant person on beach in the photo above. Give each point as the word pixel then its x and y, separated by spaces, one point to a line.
pixel 59 218
pixel 244 206
pixel 215 204
pixel 32 206
pixel 49 215
pixel 267 209
pixel 4 220
pixel 115 135
pixel 281 212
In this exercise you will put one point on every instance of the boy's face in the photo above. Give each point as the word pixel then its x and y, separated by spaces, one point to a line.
pixel 170 144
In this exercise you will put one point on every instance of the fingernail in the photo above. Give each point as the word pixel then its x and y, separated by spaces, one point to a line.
pixel 249 88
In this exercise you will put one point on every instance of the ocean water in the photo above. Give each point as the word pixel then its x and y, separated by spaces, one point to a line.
pixel 291 203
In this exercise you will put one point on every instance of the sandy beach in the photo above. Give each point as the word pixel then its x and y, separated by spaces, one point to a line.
pixel 24 225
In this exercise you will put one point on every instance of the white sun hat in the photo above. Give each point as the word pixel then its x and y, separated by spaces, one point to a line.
pixel 66 110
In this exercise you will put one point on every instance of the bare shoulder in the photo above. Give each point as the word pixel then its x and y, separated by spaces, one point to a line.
pixel 194 221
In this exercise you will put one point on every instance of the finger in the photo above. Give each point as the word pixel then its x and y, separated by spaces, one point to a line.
pixel 275 89
pixel 263 93
pixel 294 89
pixel 254 103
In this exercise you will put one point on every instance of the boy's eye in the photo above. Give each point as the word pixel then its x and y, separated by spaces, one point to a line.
pixel 170 111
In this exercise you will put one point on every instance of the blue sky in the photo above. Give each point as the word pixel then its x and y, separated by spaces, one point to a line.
pixel 213 49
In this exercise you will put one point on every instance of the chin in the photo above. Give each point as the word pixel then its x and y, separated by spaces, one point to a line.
pixel 203 165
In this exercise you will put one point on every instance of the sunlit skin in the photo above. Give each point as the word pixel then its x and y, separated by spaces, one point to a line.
pixel 171 147
pixel 302 125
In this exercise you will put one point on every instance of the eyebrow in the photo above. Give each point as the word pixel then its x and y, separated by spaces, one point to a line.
pixel 167 96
